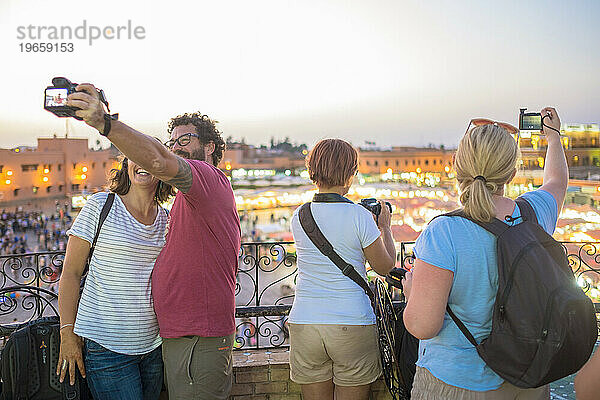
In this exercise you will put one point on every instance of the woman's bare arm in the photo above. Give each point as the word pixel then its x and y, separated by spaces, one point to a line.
pixel 427 289
pixel 68 299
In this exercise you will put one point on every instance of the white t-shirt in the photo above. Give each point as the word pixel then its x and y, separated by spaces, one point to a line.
pixel 116 308
pixel 323 294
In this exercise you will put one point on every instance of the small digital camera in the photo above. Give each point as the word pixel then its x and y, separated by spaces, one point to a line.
pixel 55 98
pixel 373 205
pixel 530 121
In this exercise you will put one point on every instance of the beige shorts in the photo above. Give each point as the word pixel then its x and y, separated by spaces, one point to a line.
pixel 347 353
pixel 428 387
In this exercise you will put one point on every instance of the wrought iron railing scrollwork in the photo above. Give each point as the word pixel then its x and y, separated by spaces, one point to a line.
pixel 266 277
pixel 29 302
pixel 32 269
pixel 584 259
pixel 264 290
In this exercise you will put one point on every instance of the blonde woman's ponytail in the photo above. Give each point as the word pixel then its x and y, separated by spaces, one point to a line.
pixel 485 160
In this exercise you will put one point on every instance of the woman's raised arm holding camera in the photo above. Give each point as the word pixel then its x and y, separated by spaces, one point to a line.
pixel 556 169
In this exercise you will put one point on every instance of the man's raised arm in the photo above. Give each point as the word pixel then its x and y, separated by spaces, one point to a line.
pixel 142 149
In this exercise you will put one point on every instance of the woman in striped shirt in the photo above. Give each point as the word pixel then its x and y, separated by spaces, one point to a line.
pixel 113 327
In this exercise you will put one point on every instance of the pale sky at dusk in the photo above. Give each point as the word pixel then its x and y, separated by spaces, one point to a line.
pixel 394 72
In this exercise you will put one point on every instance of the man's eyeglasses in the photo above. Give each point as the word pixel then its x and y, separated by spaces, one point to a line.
pixel 484 121
pixel 182 140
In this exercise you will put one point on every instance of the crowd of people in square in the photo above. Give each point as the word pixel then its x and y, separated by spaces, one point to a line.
pixel 32 231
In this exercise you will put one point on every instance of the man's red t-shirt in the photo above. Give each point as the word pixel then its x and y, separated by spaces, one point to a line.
pixel 193 283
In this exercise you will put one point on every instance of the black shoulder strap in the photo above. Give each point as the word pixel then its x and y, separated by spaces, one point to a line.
pixel 461 326
pixel 330 198
pixel 495 227
pixel 320 241
pixel 526 210
pixel 103 214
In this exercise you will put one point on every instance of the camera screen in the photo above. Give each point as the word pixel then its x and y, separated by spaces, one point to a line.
pixel 531 122
pixel 56 97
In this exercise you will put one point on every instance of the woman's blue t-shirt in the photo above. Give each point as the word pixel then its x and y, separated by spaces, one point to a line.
pixel 469 251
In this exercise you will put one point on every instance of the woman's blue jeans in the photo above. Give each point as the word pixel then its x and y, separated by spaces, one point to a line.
pixel 116 376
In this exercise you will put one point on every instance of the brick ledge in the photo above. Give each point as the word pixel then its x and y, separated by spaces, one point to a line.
pixel 265 375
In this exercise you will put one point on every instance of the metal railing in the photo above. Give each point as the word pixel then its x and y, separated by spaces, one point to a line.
pixel 264 290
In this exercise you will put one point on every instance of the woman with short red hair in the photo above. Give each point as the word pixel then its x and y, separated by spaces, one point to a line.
pixel 333 337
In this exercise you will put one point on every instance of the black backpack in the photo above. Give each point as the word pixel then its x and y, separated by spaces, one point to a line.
pixel 543 325
pixel 34 348
pixel 31 353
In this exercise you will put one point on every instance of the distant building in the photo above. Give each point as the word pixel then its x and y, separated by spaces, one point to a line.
pixel 55 170
pixel 372 160
pixel 581 143
pixel 241 155
pixel 582 150
pixel 405 159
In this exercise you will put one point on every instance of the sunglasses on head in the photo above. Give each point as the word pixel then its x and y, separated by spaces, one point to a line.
pixel 484 121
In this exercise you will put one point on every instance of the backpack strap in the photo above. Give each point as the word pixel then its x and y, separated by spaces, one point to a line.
pixel 495 227
pixel 526 210
pixel 103 214
pixel 461 326
pixel 320 241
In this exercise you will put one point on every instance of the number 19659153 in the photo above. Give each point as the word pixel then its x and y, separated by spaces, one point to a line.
pixel 46 47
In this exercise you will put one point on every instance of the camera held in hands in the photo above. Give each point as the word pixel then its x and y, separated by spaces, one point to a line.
pixel 530 121
pixel 55 98
pixel 374 206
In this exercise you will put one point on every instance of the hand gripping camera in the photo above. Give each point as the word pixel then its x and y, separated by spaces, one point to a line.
pixel 55 98
pixel 373 205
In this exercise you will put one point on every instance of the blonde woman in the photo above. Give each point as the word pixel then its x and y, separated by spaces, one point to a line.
pixel 456 263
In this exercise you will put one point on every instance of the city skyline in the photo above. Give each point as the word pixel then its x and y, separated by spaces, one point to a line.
pixel 395 73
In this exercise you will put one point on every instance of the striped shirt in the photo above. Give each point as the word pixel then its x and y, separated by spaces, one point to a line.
pixel 116 308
